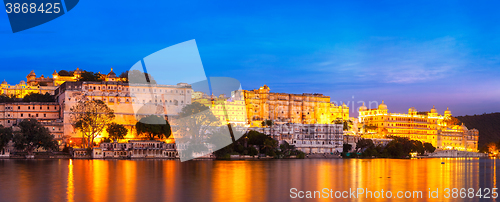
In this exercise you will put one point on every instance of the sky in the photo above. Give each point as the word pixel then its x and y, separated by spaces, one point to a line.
pixel 408 53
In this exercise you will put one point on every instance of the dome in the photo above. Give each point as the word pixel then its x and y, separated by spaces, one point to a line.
pixel 382 106
pixel 77 71
pixel 22 82
pixel 55 73
pixel 412 109
pixel 433 110
pixel 111 74
pixel 32 73
pixel 447 111
pixel 363 108
pixel 4 82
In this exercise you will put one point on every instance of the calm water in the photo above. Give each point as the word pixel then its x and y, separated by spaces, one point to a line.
pixel 171 180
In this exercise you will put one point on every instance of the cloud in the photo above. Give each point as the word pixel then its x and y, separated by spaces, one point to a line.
pixel 387 60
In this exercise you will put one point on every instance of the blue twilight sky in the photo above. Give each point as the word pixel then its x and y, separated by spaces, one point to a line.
pixel 408 53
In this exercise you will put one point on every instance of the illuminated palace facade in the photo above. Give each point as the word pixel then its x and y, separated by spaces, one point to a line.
pixel 226 109
pixel 428 127
pixel 125 100
pixel 47 113
pixel 261 104
pixel 42 84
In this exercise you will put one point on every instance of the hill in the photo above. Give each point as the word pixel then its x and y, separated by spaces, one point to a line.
pixel 487 124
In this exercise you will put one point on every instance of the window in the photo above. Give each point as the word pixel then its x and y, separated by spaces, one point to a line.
pixel 29 107
pixel 47 107
pixel 40 107
pixel 44 115
pixel 18 107
pixel 22 115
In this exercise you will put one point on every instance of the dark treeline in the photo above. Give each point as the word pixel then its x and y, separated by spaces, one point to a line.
pixel 487 124
pixel 399 147
pixel 32 97
pixel 254 143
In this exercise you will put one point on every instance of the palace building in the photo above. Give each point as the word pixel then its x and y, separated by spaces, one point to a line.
pixel 42 84
pixel 261 104
pixel 426 126
pixel 308 138
pixel 127 101
pixel 22 89
pixel 47 113
pixel 226 109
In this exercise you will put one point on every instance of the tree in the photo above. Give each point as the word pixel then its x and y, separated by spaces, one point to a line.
pixel 346 125
pixel 269 123
pixel 492 148
pixel 337 121
pixel 197 115
pixel 33 135
pixel 5 136
pixel 256 138
pixel 124 75
pixel 90 76
pixel 152 126
pixel 450 120
pixel 429 148
pixel 6 99
pixel 418 147
pixel 364 144
pixel 287 148
pixel 116 131
pixel 90 117
pixel 136 76
pixel 64 73
pixel 37 97
pixel 269 146
pixel 346 148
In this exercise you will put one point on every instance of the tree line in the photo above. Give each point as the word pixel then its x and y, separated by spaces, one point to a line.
pixel 30 136
pixel 399 147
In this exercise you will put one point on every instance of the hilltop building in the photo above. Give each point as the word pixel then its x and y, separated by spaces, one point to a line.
pixel 428 127
pixel 261 104
pixel 42 84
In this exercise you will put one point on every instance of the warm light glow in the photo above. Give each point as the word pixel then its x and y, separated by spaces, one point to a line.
pixel 71 186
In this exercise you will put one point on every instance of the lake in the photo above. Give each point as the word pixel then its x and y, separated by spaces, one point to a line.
pixel 269 180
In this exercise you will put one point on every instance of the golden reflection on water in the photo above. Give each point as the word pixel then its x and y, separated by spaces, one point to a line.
pixel 233 181
pixel 71 186
pixel 170 180
pixel 100 176
pixel 130 180
pixel 170 170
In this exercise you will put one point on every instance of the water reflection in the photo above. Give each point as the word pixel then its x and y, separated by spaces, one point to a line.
pixel 170 180
pixel 70 187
